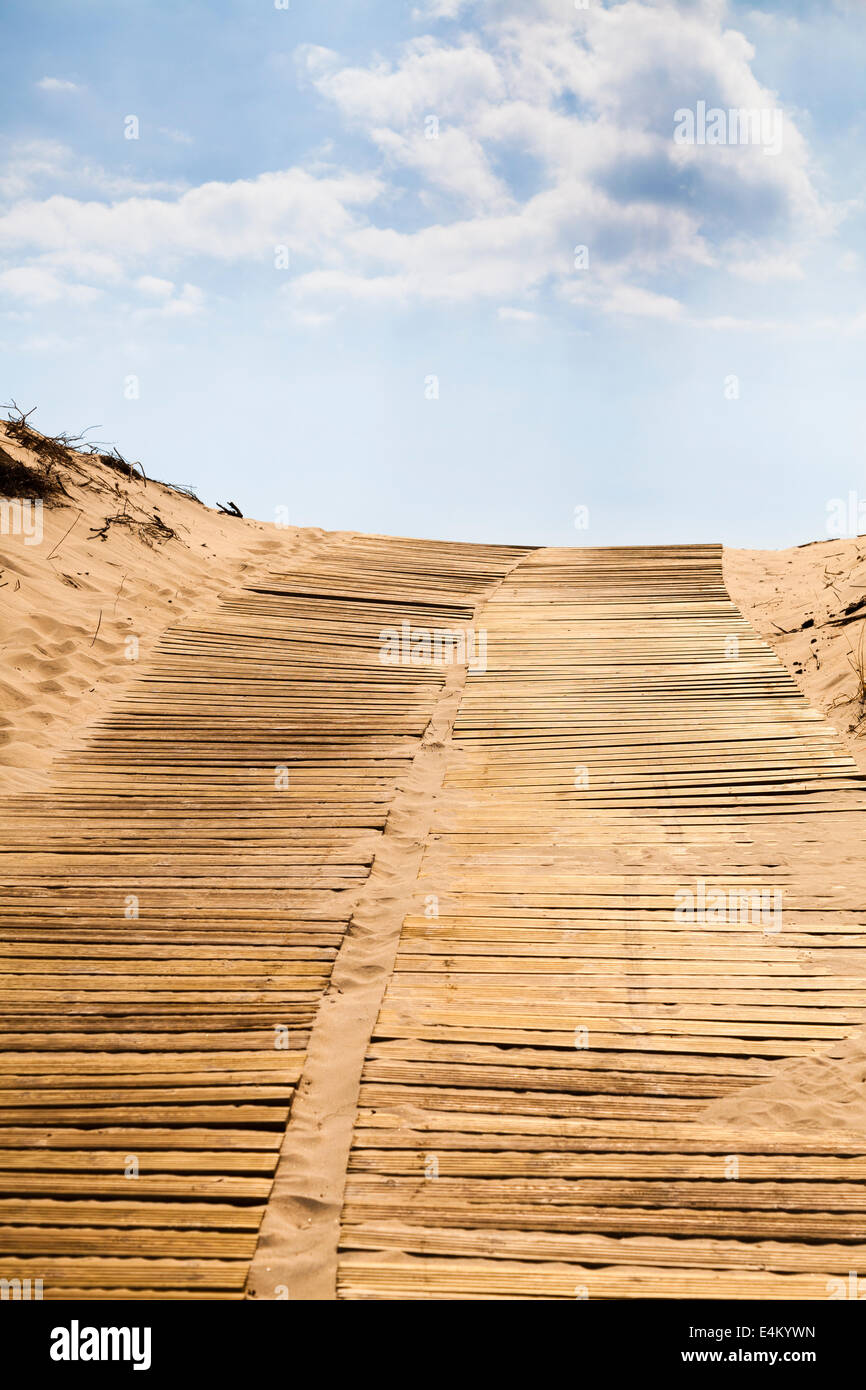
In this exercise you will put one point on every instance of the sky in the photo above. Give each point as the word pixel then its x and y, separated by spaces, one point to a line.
pixel 493 270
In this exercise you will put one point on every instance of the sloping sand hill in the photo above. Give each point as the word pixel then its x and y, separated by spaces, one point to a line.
pixel 809 604
pixel 406 1004
pixel 124 555
pixel 121 556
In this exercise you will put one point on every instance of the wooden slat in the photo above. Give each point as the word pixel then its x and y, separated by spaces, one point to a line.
pixel 530 1114
pixel 154 1036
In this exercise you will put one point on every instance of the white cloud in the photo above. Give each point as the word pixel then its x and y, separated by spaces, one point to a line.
pixel 57 84
pixel 41 286
pixel 83 264
pixel 29 165
pixel 440 9
pixel 153 286
pixel 453 162
pixel 761 268
pixel 445 80
pixel 509 314
pixel 225 221
pixel 556 129
pixel 492 156
pixel 178 137
pixel 190 300
pixel 50 343
pixel 641 303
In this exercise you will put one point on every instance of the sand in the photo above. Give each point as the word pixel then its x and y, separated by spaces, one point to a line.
pixel 125 557
pixel 809 604
pixel 298 1241
pixel 69 604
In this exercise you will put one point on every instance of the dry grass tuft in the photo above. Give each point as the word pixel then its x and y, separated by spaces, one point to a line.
pixel 65 456
pixel 19 479
pixel 857 662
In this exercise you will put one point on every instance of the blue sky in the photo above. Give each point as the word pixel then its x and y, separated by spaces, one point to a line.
pixel 429 170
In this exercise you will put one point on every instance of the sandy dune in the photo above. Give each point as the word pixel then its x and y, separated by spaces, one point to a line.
pixel 809 604
pixel 69 604
pixel 437 1128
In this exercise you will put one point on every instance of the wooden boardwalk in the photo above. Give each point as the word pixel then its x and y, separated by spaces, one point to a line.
pixel 561 1013
pixel 530 1116
pixel 171 910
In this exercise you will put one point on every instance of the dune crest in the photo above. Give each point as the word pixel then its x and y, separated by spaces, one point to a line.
pixel 118 559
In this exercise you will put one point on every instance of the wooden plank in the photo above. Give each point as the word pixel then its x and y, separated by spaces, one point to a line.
pixel 529 1121
pixel 172 905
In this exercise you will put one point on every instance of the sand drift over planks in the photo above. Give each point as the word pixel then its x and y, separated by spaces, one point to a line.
pixel 407 938
pixel 172 907
pixel 535 1116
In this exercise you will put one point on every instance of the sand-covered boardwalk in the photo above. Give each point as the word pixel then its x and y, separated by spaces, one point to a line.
pixel 172 906
pixel 561 1096
pixel 538 957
